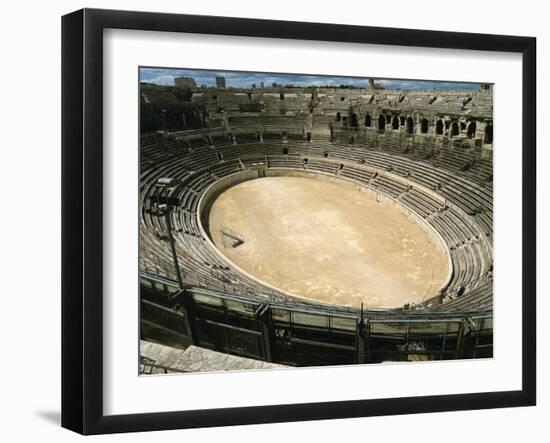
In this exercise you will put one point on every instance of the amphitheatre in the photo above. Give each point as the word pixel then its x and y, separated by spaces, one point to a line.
pixel 306 226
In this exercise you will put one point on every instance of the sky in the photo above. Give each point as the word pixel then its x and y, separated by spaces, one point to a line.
pixel 164 76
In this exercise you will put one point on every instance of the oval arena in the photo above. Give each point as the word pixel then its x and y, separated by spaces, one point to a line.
pixel 327 240
pixel 354 227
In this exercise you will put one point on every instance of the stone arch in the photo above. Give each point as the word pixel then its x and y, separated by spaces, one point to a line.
pixel 488 133
pixel 382 122
pixel 471 131
pixel 368 121
pixel 395 122
pixel 424 126
pixel 439 127
pixel 410 125
pixel 454 129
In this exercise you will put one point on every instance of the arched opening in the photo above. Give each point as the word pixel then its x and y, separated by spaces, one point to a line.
pixel 338 117
pixel 471 132
pixel 368 121
pixel 395 122
pixel 454 129
pixel 462 126
pixel 410 125
pixel 489 133
pixel 382 123
pixel 402 120
pixel 424 126
pixel 353 120
pixel 439 127
pixel 388 119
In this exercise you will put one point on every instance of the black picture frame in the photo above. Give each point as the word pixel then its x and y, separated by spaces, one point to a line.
pixel 82 218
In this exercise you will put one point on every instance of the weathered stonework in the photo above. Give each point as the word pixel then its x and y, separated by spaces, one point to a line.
pixel 194 359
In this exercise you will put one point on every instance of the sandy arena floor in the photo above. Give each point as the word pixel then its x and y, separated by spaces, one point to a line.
pixel 327 242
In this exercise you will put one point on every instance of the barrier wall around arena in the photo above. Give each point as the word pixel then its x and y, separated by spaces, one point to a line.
pixel 299 336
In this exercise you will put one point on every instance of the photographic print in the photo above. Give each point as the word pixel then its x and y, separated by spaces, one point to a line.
pixel 294 220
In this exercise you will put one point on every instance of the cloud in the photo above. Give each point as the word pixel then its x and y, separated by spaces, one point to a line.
pixel 164 80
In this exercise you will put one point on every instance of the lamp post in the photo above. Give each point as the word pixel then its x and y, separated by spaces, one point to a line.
pixel 163 203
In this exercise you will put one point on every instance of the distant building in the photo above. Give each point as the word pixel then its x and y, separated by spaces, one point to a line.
pixel 185 82
pixel 253 85
pixel 274 85
pixel 220 82
pixel 485 86
pixel 262 85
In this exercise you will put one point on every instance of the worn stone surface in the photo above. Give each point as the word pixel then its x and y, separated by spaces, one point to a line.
pixel 197 359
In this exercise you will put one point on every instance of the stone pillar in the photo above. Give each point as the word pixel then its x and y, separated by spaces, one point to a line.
pixel 263 315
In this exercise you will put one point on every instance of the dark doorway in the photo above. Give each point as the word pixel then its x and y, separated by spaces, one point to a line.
pixel 381 123
pixel 439 127
pixel 338 117
pixel 454 129
pixel 395 122
pixel 489 133
pixel 424 126
pixel 353 120
pixel 368 121
pixel 471 132
pixel 410 125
